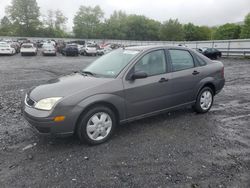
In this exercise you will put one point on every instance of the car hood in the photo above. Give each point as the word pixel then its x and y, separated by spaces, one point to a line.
pixel 66 86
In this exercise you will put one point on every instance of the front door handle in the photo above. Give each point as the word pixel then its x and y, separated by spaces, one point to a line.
pixel 195 72
pixel 163 80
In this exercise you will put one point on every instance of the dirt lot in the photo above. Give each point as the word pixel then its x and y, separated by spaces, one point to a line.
pixel 177 149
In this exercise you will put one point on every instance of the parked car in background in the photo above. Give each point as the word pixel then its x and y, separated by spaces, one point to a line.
pixel 48 49
pixel 211 53
pixel 89 49
pixel 7 49
pixel 103 50
pixel 39 43
pixel 124 85
pixel 115 46
pixel 182 45
pixel 100 51
pixel 28 49
pixel 52 42
pixel 22 40
pixel 80 42
pixel 70 50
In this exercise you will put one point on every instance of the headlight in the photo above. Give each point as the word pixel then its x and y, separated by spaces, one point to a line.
pixel 47 104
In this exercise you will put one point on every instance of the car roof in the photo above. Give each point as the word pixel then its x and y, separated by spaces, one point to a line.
pixel 144 48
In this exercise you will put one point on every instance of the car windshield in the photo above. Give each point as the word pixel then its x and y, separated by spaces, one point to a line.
pixel 111 64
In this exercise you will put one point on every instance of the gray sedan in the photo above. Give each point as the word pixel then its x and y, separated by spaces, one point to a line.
pixel 124 85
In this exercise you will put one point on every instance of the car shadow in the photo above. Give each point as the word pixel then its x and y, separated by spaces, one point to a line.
pixel 123 131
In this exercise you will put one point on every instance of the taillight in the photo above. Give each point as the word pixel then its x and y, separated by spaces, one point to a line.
pixel 222 72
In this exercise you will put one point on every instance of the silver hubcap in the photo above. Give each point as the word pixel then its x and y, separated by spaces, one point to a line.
pixel 206 100
pixel 99 126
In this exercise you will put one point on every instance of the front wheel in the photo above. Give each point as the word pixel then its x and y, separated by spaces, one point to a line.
pixel 204 100
pixel 97 125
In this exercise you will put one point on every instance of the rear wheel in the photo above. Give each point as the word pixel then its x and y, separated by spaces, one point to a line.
pixel 204 100
pixel 97 125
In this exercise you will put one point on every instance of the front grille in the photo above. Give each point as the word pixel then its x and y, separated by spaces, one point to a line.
pixel 29 101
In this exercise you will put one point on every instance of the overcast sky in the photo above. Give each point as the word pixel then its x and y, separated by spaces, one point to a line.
pixel 200 12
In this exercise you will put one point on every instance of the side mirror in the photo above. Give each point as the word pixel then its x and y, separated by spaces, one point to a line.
pixel 138 75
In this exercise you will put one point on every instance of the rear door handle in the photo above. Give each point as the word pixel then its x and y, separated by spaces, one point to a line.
pixel 195 72
pixel 163 80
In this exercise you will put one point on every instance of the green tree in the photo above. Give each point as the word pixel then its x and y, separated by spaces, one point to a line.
pixel 172 30
pixel 191 32
pixel 25 16
pixel 87 22
pixel 153 29
pixel 195 33
pixel 115 26
pixel 54 24
pixel 227 31
pixel 6 27
pixel 245 31
pixel 141 28
pixel 204 33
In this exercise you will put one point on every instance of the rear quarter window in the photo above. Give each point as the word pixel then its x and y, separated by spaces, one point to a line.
pixel 201 61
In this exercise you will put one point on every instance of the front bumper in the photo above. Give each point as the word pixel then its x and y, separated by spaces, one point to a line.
pixel 45 124
pixel 5 52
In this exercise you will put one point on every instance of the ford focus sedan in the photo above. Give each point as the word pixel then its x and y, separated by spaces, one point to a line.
pixel 124 85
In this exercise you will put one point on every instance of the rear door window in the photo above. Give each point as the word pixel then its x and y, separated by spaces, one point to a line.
pixel 181 60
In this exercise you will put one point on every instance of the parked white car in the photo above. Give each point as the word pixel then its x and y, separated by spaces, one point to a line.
pixel 7 49
pixel 48 49
pixel 28 49
pixel 89 49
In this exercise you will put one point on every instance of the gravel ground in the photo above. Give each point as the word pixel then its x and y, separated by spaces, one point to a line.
pixel 177 149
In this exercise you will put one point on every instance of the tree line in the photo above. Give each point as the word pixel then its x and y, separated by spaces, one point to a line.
pixel 23 18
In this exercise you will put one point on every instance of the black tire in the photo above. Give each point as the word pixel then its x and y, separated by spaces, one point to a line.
pixel 197 107
pixel 22 54
pixel 82 125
